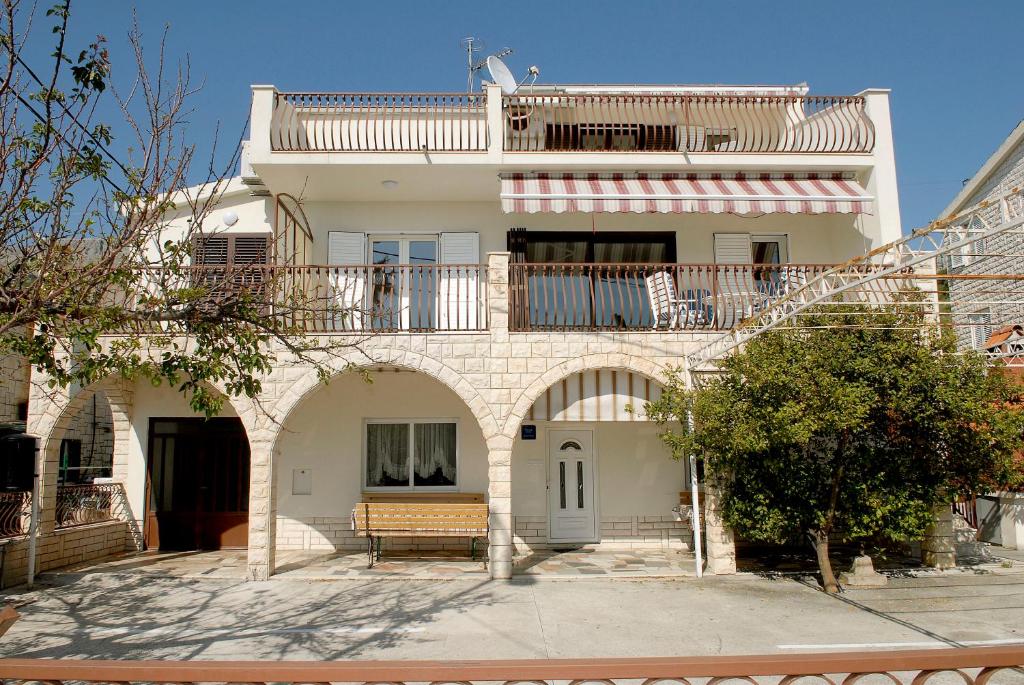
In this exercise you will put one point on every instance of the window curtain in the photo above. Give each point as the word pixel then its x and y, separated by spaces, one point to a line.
pixel 434 454
pixel 387 455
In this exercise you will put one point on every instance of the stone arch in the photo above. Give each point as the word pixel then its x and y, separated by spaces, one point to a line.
pixel 623 362
pixel 50 415
pixel 306 384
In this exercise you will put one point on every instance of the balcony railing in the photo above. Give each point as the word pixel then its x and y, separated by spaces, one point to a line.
pixel 458 122
pixel 687 123
pixel 80 505
pixel 673 297
pixel 14 513
pixel 358 298
pixel 379 122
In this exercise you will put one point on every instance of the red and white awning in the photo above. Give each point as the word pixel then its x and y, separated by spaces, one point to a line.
pixel 737 193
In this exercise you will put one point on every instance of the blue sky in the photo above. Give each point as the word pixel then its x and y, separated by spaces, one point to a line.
pixel 954 67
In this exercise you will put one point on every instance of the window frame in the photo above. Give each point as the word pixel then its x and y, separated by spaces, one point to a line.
pixel 412 487
pixel 780 239
pixel 403 240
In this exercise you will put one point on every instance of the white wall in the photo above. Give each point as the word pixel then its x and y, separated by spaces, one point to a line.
pixel 813 238
pixel 151 402
pixel 636 475
pixel 325 433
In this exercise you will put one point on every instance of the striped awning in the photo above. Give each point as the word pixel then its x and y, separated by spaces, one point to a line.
pixel 738 193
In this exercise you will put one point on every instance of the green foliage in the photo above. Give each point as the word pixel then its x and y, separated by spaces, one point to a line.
pixel 854 425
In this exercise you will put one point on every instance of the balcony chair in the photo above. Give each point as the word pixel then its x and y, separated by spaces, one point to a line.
pixel 667 306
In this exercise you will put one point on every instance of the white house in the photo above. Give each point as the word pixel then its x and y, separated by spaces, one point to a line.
pixel 529 266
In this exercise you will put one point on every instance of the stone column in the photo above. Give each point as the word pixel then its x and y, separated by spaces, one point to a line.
pixel 499 500
pixel 262 505
pixel 938 549
pixel 497 295
pixel 121 396
pixel 721 547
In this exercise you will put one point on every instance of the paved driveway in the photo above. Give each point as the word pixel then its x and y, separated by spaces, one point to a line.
pixel 130 616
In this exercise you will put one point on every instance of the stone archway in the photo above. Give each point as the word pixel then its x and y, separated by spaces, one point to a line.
pixel 263 487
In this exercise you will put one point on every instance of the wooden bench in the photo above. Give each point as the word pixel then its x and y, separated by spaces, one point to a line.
pixel 378 520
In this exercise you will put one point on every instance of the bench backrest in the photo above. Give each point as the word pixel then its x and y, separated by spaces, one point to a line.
pixel 435 517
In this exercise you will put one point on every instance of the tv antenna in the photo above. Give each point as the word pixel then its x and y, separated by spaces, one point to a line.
pixel 472 46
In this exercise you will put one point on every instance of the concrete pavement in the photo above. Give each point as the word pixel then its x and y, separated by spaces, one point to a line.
pixel 126 616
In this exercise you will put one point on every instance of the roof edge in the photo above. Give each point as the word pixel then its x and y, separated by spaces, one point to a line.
pixel 986 170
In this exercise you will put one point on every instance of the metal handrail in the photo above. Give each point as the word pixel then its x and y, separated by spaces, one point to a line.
pixel 975 665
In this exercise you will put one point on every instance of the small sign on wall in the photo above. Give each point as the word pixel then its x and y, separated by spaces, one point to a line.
pixel 302 481
pixel 528 432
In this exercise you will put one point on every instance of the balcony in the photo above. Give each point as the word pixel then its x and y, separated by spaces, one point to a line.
pixel 559 122
pixel 646 297
pixel 444 298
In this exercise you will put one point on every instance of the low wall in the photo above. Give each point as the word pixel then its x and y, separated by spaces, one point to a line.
pixel 64 547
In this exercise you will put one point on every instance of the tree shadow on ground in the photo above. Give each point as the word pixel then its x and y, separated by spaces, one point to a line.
pixel 129 615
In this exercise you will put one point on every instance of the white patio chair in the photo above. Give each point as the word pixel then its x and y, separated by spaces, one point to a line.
pixel 666 304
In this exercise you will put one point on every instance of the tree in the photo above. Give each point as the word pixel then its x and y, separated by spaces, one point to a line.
pixel 91 282
pixel 851 426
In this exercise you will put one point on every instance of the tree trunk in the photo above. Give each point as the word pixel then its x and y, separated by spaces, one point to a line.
pixel 828 579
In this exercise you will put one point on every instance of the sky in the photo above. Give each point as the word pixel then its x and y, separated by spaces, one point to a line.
pixel 954 67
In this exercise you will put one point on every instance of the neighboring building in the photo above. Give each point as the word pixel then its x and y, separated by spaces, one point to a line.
pixel 528 268
pixel 979 307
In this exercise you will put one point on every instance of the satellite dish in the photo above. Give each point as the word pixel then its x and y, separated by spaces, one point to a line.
pixel 502 75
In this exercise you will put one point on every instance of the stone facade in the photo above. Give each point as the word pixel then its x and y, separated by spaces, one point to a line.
pixel 498 374
pixel 973 317
pixel 14 380
pixel 64 547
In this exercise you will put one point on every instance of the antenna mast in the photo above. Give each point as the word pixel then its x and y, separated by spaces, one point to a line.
pixel 472 46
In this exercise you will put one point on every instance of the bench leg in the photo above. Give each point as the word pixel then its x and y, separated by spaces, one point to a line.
pixel 380 543
pixel 472 549
pixel 369 551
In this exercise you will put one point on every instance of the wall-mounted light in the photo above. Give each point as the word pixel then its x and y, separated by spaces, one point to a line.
pixel 389 184
pixel 230 218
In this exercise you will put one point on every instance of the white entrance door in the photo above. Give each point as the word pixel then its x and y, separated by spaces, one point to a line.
pixel 573 516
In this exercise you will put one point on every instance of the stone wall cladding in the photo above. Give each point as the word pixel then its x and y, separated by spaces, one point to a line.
pixel 617 532
pixel 97 440
pixel 64 547
pixel 968 297
pixel 14 380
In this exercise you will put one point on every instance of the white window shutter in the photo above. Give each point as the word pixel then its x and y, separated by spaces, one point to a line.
pixel 736 289
pixel 348 282
pixel 458 303
pixel 733 248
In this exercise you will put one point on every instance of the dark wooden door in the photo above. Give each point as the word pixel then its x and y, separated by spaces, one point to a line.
pixel 198 484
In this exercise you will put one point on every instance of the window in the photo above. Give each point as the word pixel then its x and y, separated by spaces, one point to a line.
pixel 418 453
pixel 980 328
pixel 404 291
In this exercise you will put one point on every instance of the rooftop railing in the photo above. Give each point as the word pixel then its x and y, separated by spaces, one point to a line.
pixel 687 123
pixel 379 122
pixel 553 122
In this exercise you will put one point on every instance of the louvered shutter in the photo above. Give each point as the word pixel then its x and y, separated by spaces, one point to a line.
pixel 735 289
pixel 458 304
pixel 347 282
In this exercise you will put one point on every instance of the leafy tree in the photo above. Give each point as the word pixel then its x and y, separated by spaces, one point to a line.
pixel 851 426
pixel 91 282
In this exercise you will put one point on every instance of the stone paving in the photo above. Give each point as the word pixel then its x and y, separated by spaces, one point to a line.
pixel 605 563
pixel 231 564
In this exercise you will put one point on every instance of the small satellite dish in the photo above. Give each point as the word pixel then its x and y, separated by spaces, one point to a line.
pixel 502 75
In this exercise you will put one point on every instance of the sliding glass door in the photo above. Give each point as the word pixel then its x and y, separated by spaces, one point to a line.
pixel 403 293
